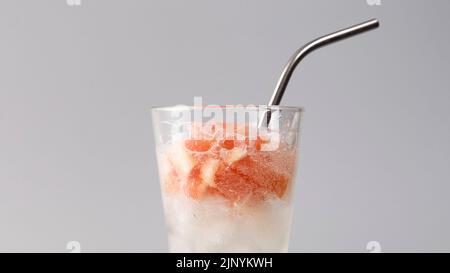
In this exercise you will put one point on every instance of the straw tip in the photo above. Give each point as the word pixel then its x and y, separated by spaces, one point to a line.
pixel 375 22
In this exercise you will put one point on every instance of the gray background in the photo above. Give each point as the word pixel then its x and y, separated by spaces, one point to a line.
pixel 76 144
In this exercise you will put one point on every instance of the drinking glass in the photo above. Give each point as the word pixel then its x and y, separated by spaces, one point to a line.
pixel 226 177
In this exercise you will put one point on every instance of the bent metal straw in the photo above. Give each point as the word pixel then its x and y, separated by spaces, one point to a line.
pixel 301 53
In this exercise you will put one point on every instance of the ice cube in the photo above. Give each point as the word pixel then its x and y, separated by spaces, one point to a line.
pixel 208 171
pixel 180 159
pixel 233 155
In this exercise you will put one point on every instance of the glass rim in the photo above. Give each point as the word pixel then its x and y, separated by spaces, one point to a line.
pixel 249 107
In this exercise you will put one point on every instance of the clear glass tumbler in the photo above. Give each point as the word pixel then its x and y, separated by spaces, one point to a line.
pixel 227 178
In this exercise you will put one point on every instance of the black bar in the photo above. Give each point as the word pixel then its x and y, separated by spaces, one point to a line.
pixel 291 262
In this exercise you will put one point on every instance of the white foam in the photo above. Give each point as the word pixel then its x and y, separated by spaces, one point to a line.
pixel 212 225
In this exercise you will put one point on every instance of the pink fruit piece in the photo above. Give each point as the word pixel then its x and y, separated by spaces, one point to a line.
pixel 248 178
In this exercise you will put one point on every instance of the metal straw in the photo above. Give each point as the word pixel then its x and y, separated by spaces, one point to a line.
pixel 306 49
